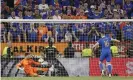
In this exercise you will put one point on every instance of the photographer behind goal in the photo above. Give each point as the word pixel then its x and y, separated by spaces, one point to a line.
pixel 50 53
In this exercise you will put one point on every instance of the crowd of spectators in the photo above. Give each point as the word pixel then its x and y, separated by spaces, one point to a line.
pixel 63 32
pixel 68 9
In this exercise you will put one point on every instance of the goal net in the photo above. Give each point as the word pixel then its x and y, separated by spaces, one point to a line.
pixel 64 46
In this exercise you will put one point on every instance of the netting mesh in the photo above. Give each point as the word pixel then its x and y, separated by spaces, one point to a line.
pixel 67 46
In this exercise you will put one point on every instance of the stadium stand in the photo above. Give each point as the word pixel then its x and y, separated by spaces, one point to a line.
pixel 64 32
pixel 68 9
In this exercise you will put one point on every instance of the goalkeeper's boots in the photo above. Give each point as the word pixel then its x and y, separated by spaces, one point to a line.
pixel 109 75
pixel 103 73
pixel 51 68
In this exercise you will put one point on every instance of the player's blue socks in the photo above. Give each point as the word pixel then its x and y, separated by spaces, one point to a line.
pixel 109 68
pixel 101 66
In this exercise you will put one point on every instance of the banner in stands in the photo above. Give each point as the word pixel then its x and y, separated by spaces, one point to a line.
pixel 35 48
pixel 76 66
pixel 121 66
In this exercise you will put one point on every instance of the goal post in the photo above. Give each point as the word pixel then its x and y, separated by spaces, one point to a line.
pixel 71 41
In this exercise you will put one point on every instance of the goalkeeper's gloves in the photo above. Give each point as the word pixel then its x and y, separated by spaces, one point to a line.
pixel 44 63
pixel 21 68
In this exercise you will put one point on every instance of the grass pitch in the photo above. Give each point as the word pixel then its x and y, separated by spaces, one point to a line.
pixel 67 78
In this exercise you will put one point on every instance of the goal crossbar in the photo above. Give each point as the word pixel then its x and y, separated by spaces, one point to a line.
pixel 65 20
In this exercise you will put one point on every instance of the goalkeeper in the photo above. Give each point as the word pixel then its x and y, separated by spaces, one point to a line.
pixel 26 65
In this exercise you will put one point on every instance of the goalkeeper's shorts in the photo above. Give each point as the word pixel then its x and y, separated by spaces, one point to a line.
pixel 31 71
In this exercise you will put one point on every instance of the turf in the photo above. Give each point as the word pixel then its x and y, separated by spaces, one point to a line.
pixel 67 78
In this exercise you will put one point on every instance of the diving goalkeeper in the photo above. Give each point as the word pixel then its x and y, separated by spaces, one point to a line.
pixel 26 65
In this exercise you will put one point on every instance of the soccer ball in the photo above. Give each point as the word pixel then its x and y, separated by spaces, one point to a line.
pixel 40 60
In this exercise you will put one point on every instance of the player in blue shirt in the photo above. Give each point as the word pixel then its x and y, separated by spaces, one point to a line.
pixel 104 42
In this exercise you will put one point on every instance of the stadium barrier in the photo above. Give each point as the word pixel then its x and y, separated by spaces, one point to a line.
pixel 35 48
pixel 121 67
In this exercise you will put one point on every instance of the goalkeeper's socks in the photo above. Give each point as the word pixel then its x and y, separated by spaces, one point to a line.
pixel 101 66
pixel 109 68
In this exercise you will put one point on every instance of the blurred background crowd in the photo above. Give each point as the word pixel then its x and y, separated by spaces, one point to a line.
pixel 66 9
pixel 74 32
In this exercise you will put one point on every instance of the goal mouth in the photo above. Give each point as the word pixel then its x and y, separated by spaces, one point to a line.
pixel 71 45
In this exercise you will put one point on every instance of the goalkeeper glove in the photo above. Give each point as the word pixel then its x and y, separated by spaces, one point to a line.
pixel 44 63
pixel 21 68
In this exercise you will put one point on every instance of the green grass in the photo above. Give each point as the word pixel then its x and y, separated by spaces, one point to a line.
pixel 66 78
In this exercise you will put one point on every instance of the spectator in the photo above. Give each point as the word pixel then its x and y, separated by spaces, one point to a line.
pixel 83 36
pixel 94 14
pixel 72 6
pixel 68 37
pixel 76 3
pixel 18 9
pixel 85 7
pixel 87 51
pixel 69 15
pixel 29 15
pixel 49 37
pixel 128 32
pixel 73 11
pixel 36 7
pixel 57 16
pixel 76 31
pixel 23 2
pixel 7 52
pixel 43 6
pixel 29 8
pixel 6 12
pixel 30 3
pixel 37 14
pixel 124 15
pixel 13 16
pixel 60 33
pixel 44 14
pixel 22 32
pixel 64 2
pixel 3 33
pixel 116 14
pixel 3 5
pixel 49 15
pixel 42 32
pixel 64 10
pixel 51 10
pixel 114 50
pixel 14 34
pixel 132 15
pixel 3 16
pixel 119 2
pixel 51 2
pixel 27 29
pixel 93 34
pixel 20 15
pixel 81 15
pixel 118 7
pixel 106 14
pixel 128 6
pixel 109 9
pixel 69 51
pixel 32 34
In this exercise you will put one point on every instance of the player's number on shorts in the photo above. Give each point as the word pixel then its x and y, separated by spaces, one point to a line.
pixel 106 43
